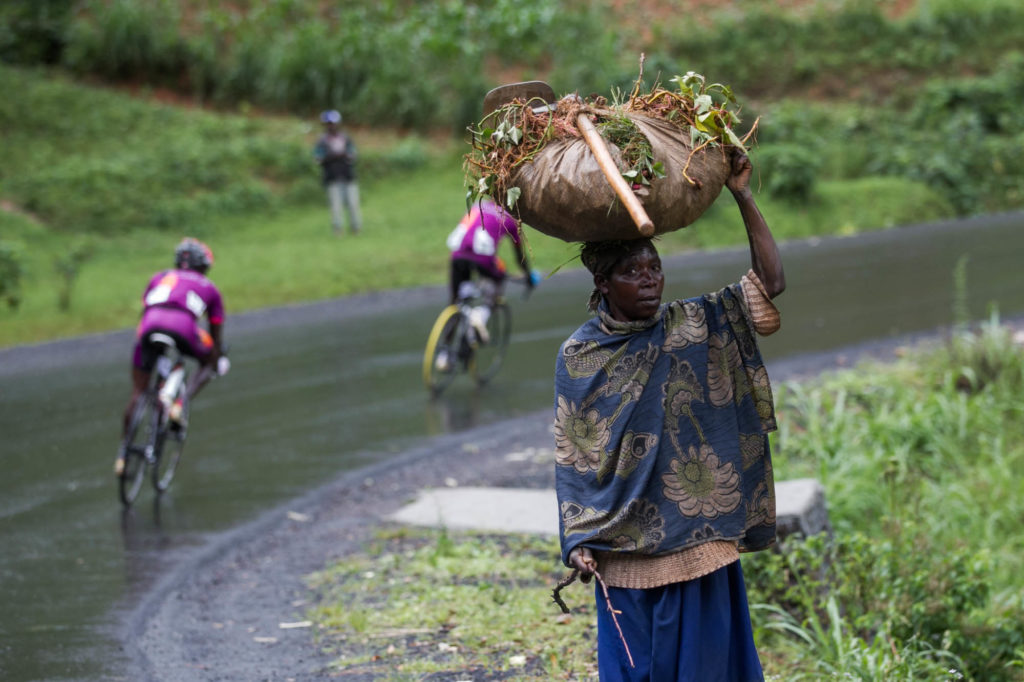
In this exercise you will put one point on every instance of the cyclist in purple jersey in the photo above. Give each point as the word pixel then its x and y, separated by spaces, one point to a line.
pixel 174 302
pixel 474 245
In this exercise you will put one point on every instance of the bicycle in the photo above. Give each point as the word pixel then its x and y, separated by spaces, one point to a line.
pixel 153 441
pixel 455 345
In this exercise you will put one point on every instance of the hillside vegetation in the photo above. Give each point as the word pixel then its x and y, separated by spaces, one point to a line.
pixel 135 123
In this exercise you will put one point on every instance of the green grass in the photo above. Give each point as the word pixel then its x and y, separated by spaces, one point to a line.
pixel 421 602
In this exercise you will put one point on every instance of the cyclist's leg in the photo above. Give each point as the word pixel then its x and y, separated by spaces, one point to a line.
pixel 496 291
pixel 461 271
pixel 140 380
pixel 200 347
pixel 481 310
pixel 492 279
pixel 143 360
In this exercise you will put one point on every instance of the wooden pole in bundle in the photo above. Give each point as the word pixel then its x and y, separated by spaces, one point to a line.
pixel 614 177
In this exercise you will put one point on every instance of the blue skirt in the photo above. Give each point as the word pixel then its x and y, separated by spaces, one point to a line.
pixel 694 631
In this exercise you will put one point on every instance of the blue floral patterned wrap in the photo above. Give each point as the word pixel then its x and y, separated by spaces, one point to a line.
pixel 661 430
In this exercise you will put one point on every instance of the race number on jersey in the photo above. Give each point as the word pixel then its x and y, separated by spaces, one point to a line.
pixel 161 293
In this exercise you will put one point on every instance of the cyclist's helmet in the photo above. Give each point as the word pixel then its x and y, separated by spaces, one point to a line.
pixel 330 116
pixel 192 254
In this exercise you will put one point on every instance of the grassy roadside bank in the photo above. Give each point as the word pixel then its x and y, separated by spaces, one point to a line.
pixel 921 579
pixel 289 255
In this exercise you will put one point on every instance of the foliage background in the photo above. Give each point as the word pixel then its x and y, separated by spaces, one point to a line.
pixel 138 121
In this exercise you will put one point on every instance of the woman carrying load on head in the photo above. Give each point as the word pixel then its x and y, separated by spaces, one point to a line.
pixel 663 471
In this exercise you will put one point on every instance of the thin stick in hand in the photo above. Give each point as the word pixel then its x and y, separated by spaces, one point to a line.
pixel 567 580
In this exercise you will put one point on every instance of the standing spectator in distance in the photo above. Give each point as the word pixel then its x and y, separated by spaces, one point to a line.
pixel 336 154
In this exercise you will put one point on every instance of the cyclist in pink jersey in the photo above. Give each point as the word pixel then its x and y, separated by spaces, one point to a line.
pixel 174 303
pixel 474 245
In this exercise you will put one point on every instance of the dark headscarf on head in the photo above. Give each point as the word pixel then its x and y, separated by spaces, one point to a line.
pixel 602 257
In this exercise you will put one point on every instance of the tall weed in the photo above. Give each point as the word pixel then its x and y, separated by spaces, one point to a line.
pixel 33 32
pixel 124 39
pixel 927 553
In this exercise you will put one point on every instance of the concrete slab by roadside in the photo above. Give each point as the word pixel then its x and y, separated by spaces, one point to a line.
pixel 511 510
pixel 800 507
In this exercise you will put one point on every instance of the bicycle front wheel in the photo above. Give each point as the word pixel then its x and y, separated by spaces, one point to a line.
pixel 488 356
pixel 440 358
pixel 137 447
pixel 171 444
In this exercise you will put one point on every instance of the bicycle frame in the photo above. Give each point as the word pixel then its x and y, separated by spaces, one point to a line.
pixel 150 421
pixel 455 344
pixel 170 357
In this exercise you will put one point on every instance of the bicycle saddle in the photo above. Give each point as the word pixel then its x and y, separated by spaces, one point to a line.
pixel 161 338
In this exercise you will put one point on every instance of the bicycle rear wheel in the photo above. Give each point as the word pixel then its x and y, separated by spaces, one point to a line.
pixel 170 444
pixel 138 441
pixel 440 358
pixel 488 356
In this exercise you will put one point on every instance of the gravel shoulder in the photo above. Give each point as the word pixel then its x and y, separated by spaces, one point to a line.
pixel 218 616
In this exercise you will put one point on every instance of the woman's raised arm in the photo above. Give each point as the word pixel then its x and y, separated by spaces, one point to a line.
pixel 764 252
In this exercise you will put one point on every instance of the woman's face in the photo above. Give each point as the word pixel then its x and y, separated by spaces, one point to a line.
pixel 633 289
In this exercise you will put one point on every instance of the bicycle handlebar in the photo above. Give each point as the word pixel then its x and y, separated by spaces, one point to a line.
pixel 531 282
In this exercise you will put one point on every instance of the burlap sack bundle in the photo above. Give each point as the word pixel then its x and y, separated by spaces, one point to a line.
pixel 564 194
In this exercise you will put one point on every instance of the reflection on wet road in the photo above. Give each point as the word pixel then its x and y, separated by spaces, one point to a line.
pixel 317 390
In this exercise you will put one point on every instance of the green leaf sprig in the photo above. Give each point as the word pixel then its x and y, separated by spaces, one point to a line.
pixel 712 122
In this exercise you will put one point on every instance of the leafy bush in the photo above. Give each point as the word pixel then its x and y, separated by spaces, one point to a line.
pixel 761 50
pixel 11 272
pixel 166 167
pixel 851 594
pixel 412 65
pixel 963 136
pixel 125 39
pixel 789 170
pixel 33 31
pixel 185 180
pixel 408 155
pixel 69 266
pixel 916 463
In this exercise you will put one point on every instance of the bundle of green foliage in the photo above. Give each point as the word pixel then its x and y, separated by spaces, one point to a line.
pixel 518 131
